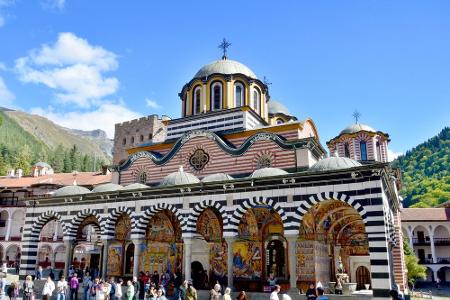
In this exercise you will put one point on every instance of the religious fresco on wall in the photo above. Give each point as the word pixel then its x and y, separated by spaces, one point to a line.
pixel 247 260
pixel 160 229
pixel 248 226
pixel 209 226
pixel 218 259
pixel 115 254
pixel 156 256
pixel 123 228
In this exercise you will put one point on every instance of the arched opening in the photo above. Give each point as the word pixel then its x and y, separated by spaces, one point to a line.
pixel 3 224
pixel 51 232
pixel 362 278
pixel 45 256
pixel 363 150
pixel 444 274
pixel 213 253
pixel 59 257
pixel 116 248
pixel 239 94
pixel 16 225
pixel 197 101
pixel 346 150
pixel 421 243
pixel 216 96
pixel 12 255
pixel 129 259
pixel 256 101
pixel 332 244
pixel 260 249
pixel 163 248
pixel 87 247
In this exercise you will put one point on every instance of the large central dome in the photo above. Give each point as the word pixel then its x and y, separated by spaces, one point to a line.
pixel 224 66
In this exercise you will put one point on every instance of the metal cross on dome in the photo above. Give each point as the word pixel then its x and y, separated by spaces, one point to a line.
pixel 224 46
pixel 356 115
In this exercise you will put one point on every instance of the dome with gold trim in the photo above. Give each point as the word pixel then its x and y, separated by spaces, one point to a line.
pixel 226 67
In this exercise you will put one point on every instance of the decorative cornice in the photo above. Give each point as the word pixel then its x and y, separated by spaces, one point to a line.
pixel 310 143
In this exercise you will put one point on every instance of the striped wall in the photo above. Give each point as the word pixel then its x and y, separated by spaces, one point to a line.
pixel 291 202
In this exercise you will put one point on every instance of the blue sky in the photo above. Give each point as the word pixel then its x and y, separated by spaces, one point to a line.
pixel 90 64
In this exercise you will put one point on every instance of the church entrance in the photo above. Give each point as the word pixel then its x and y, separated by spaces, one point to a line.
pixel 275 259
pixel 362 277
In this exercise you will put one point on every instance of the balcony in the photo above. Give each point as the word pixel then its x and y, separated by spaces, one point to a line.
pixel 421 242
pixel 441 241
pixel 439 260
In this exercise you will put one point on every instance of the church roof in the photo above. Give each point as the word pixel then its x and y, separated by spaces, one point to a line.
pixel 425 214
pixel 224 66
pixel 134 186
pixel 353 128
pixel 179 178
pixel 267 172
pixel 71 190
pixel 334 163
pixel 217 177
pixel 107 187
pixel 276 107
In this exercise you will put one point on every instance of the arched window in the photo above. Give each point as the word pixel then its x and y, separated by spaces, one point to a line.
pixel 346 150
pixel 239 98
pixel 141 138
pixel 256 101
pixel 132 139
pixel 216 96
pixel 124 141
pixel 280 121
pixel 197 103
pixel 143 177
pixel 378 146
pixel 363 149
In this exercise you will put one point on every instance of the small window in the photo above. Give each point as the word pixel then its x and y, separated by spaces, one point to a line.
pixel 141 138
pixel 150 136
pixel 279 121
pixel 363 149
pixel 132 139
pixel 256 103
pixel 216 96
pixel 197 104
pixel 239 94
pixel 124 141
pixel 378 146
pixel 346 150
pixel 143 177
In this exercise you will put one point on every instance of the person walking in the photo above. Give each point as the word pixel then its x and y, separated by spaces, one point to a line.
pixel 74 285
pixel 48 289
pixel 274 294
pixel 61 288
pixel 13 290
pixel 215 292
pixel 2 286
pixel 191 292
pixel 119 292
pixel 28 288
pixel 130 291
pixel 242 296
pixel 311 292
pixel 227 294
pixel 39 273
pixel 137 288
pixel 87 284
pixel 112 290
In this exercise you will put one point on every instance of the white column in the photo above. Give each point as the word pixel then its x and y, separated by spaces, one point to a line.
pixel 105 259
pixel 69 254
pixel 292 262
pixel 8 229
pixel 187 257
pixel 137 254
pixel 230 241
pixel 411 241
pixel 433 250
pixel 55 234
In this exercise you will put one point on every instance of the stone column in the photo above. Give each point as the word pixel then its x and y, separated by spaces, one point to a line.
pixel 187 257
pixel 105 259
pixel 55 234
pixel 292 262
pixel 8 229
pixel 137 254
pixel 230 241
pixel 433 250
pixel 69 254
pixel 411 241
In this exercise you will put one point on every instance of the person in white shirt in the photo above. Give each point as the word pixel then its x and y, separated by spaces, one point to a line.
pixel 61 288
pixel 274 294
pixel 48 289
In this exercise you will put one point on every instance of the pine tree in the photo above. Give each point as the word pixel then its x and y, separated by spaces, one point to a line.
pixel 22 160
pixel 67 163
pixel 3 166
pixel 58 159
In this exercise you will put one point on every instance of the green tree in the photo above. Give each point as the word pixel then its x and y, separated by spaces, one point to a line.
pixel 22 160
pixel 58 159
pixel 415 271
pixel 3 166
pixel 67 163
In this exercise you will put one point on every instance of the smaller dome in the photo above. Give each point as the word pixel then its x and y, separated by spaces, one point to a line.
pixel 42 165
pixel 334 163
pixel 107 187
pixel 71 190
pixel 268 172
pixel 217 177
pixel 179 178
pixel 353 128
pixel 276 107
pixel 226 67
pixel 134 186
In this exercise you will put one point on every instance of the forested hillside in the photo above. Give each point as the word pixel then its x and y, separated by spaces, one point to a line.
pixel 426 172
pixel 20 150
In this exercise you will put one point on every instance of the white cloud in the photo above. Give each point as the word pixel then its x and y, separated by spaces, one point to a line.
pixel 152 104
pixel 393 155
pixel 53 4
pixel 3 5
pixel 6 96
pixel 73 68
pixel 104 117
